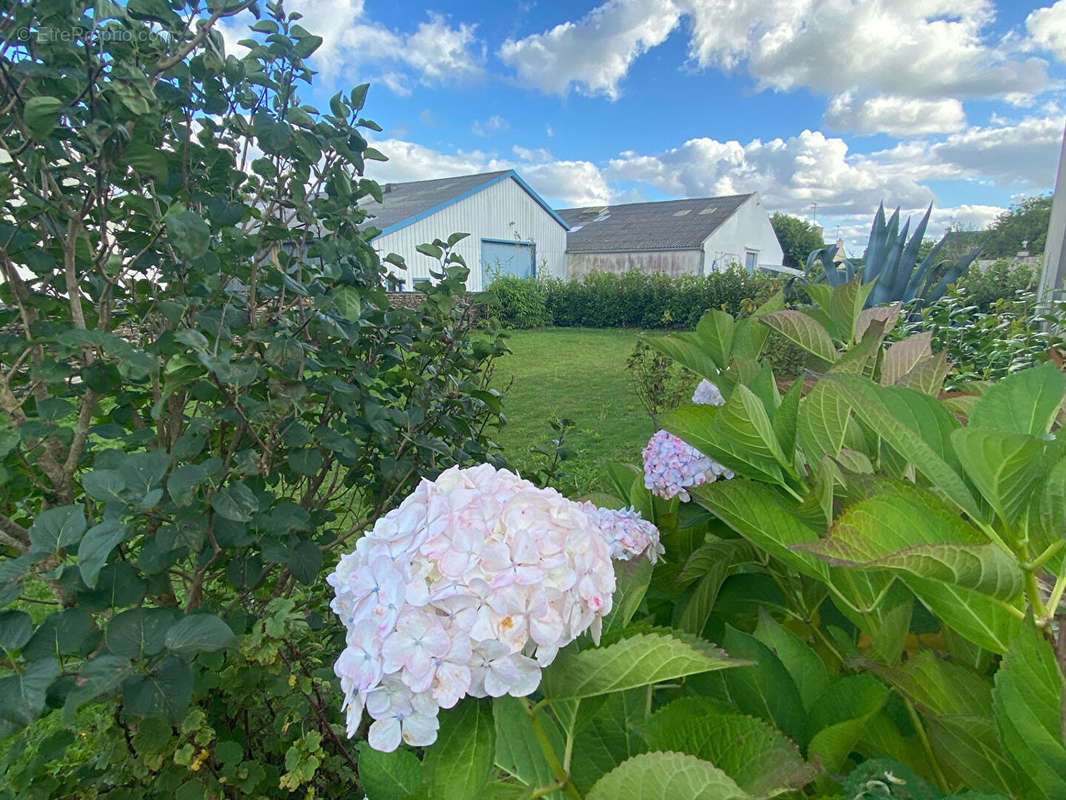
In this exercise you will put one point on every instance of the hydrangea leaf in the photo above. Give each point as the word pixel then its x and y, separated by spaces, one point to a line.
pixel 637 660
pixel 666 776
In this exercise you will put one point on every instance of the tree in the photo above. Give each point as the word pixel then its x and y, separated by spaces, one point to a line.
pixel 1023 227
pixel 204 397
pixel 798 238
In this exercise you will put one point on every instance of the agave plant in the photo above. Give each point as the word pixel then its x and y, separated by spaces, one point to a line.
pixel 892 263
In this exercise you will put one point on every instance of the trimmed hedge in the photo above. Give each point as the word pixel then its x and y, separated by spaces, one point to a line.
pixel 628 300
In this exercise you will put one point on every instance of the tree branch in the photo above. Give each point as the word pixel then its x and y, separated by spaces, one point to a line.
pixel 164 64
pixel 14 535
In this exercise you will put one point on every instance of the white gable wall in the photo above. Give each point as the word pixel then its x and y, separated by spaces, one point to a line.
pixel 502 211
pixel 748 228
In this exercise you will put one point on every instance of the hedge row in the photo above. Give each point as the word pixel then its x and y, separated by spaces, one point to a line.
pixel 628 300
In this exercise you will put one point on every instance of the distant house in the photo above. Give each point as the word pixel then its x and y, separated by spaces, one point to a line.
pixel 678 237
pixel 512 230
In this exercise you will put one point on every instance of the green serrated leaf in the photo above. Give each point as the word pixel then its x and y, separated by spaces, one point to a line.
pixel 801 329
pixel 388 776
pixel 638 660
pixel 518 751
pixel 764 689
pixel 839 717
pixel 757 512
pixel 806 667
pixel 868 404
pixel 1025 402
pixel 1005 467
pixel 1028 698
pixel 666 776
pixel 458 765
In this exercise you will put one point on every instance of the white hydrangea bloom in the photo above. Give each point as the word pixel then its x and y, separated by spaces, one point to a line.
pixel 470 587
pixel 707 394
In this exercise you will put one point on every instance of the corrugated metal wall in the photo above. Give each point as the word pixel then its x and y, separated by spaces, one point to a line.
pixel 672 262
pixel 502 211
pixel 748 228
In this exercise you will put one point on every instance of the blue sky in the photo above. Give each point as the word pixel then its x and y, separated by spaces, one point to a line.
pixel 831 105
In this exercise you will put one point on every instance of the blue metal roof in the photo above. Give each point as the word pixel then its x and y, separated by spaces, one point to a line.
pixel 404 204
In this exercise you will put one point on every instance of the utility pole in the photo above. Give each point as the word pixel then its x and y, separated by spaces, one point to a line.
pixel 1054 273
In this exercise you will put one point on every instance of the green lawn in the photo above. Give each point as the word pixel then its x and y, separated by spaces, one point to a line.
pixel 578 373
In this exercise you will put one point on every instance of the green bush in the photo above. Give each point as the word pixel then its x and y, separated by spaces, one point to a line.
pixel 989 344
pixel 628 300
pixel 205 397
pixel 518 302
pixel 1002 280
pixel 660 384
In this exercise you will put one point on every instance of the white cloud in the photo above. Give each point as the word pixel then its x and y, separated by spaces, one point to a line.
pixel 409 161
pixel 494 124
pixel 566 183
pixel 932 49
pixel 594 53
pixel 439 52
pixel 791 174
pixel 434 53
pixel 571 183
pixel 1020 155
pixel 1047 27
pixel 894 115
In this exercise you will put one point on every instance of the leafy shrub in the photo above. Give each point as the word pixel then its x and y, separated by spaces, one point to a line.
pixel 986 345
pixel 1002 280
pixel 631 300
pixel 204 396
pixel 872 486
pixel 518 302
pixel 660 384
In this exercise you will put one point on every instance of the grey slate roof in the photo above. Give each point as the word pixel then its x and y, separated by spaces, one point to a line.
pixel 401 201
pixel 633 227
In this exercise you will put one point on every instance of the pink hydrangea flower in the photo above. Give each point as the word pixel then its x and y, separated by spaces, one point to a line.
pixel 672 466
pixel 470 587
pixel 628 534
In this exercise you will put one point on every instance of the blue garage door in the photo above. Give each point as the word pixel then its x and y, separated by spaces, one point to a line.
pixel 500 257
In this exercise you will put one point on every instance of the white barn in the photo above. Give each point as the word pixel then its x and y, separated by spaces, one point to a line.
pixel 512 230
pixel 679 237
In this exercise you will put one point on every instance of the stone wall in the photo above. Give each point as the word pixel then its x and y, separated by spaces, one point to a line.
pixel 405 299
pixel 414 299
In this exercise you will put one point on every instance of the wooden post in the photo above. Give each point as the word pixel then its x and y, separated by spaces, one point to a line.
pixel 1053 275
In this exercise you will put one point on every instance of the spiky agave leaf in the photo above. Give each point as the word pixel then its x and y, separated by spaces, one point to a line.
pixel 909 256
pixel 953 274
pixel 918 279
pixel 875 245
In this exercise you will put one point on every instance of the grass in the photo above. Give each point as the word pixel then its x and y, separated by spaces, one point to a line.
pixel 580 374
